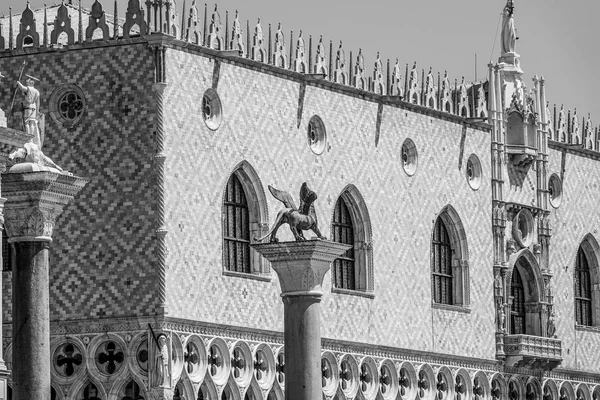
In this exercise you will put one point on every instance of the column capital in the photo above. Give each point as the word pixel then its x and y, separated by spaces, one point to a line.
pixel 301 265
pixel 34 200
pixel 159 86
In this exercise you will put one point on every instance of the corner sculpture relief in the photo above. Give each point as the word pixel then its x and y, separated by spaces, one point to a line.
pixel 299 219
pixel 162 376
pixel 34 123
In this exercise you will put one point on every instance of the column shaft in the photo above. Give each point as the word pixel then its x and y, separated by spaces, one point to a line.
pixel 302 334
pixel 31 322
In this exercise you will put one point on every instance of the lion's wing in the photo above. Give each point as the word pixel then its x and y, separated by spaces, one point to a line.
pixel 307 198
pixel 283 197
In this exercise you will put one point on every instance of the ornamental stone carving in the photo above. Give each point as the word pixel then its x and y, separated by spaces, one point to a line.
pixel 35 199
pixel 31 223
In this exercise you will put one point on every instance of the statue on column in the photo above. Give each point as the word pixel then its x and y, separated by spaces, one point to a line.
pixel 501 316
pixel 509 33
pixel 34 122
pixel 551 327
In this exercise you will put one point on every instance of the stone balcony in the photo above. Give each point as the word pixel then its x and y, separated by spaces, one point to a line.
pixel 533 352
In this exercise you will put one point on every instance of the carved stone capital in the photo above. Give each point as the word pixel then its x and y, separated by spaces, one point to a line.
pixel 33 202
pixel 301 265
pixel 159 87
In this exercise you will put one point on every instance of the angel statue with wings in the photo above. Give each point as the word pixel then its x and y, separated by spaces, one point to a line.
pixel 299 219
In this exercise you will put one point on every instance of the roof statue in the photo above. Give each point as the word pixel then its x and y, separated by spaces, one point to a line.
pixel 339 74
pixel 34 122
pixel 299 219
pixel 509 33
pixel 2 116
pixel 237 36
pixel 397 89
pixel 320 66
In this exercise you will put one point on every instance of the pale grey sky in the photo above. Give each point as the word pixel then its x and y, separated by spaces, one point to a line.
pixel 557 39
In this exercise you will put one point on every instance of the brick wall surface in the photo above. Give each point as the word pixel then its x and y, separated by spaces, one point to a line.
pixel 576 217
pixel 259 126
pixel 101 256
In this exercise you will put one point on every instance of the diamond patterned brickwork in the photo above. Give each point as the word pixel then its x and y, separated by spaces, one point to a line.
pixel 101 257
pixel 577 216
pixel 259 125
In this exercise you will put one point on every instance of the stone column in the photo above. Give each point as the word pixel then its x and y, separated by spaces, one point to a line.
pixel 35 197
pixel 10 140
pixel 301 267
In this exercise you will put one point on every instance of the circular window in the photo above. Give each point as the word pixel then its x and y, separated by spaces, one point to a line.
pixel 474 172
pixel 212 111
pixel 317 136
pixel 70 106
pixel 67 105
pixel 523 228
pixel 409 157
pixel 555 190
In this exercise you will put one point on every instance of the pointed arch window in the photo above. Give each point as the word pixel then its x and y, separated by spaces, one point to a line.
pixel 353 270
pixel 442 264
pixel 449 261
pixel 517 311
pixel 343 232
pixel 583 290
pixel 236 235
pixel 244 217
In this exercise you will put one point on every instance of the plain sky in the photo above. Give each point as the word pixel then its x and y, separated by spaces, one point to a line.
pixel 557 39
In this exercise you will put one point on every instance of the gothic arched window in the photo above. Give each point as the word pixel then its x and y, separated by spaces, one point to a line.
pixel 517 311
pixel 442 264
pixel 343 232
pixel 583 290
pixel 244 217
pixel 351 225
pixel 236 230
pixel 449 260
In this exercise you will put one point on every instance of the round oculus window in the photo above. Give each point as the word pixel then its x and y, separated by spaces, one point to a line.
pixel 555 190
pixel 212 110
pixel 316 135
pixel 67 105
pixel 523 227
pixel 409 157
pixel 70 106
pixel 474 172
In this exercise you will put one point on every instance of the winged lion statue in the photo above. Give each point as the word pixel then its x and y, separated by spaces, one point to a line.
pixel 299 219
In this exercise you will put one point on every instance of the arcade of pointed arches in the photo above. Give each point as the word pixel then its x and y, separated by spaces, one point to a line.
pixel 248 370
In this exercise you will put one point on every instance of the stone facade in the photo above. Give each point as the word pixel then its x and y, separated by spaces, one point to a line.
pixel 140 252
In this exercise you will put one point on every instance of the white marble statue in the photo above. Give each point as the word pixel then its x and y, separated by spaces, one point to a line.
pixel 34 122
pixel 509 33
pixel 2 116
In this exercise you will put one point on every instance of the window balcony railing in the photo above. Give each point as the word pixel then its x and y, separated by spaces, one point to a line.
pixel 533 352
